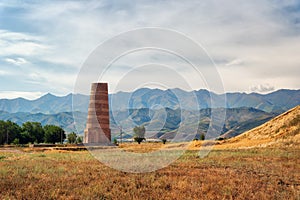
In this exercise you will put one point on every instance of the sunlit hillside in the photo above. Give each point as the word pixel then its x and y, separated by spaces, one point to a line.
pixel 282 131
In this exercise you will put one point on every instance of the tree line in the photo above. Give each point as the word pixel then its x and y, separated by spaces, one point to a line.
pixel 33 132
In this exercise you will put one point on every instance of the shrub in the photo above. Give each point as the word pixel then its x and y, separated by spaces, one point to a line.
pixel 16 141
pixel 202 136
pixel 139 139
pixel 139 135
pixel 116 141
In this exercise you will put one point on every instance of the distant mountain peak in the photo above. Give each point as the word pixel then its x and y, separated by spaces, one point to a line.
pixel 278 101
pixel 48 95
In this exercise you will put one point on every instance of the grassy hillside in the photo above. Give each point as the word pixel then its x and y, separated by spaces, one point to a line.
pixel 282 131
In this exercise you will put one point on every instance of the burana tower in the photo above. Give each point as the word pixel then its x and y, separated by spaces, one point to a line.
pixel 97 129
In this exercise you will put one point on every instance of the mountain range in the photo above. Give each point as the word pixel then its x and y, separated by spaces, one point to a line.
pixel 278 101
pixel 160 110
pixel 162 123
pixel 165 123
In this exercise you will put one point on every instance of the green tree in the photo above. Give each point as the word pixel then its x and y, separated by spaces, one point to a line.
pixel 79 140
pixel 3 132
pixel 25 137
pixel 13 130
pixel 54 134
pixel 33 131
pixel 72 138
pixel 9 131
pixel 139 134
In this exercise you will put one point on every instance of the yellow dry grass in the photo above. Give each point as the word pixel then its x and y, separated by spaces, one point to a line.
pixel 141 148
pixel 224 174
pixel 282 131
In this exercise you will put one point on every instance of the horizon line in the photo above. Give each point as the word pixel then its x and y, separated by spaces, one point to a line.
pixel 40 94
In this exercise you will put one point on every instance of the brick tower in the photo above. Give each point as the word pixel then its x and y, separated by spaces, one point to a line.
pixel 97 129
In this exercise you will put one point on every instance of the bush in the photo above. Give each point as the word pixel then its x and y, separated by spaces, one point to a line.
pixel 16 141
pixel 139 139
pixel 202 136
pixel 139 135
pixel 116 141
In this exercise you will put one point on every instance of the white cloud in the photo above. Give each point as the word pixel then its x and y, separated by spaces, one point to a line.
pixel 2 73
pixel 234 62
pixel 252 43
pixel 16 94
pixel 35 78
pixel 262 88
pixel 16 61
pixel 22 44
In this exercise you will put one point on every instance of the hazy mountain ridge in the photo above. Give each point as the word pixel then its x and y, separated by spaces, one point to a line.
pixel 243 111
pixel 278 101
pixel 47 104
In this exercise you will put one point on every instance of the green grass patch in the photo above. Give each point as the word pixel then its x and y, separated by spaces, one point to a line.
pixel 2 157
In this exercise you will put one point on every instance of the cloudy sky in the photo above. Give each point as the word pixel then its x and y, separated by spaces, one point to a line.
pixel 255 44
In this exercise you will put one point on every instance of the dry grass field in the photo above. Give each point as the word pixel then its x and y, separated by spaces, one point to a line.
pixel 265 173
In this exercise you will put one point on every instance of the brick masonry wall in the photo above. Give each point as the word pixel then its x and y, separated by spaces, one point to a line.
pixel 97 127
